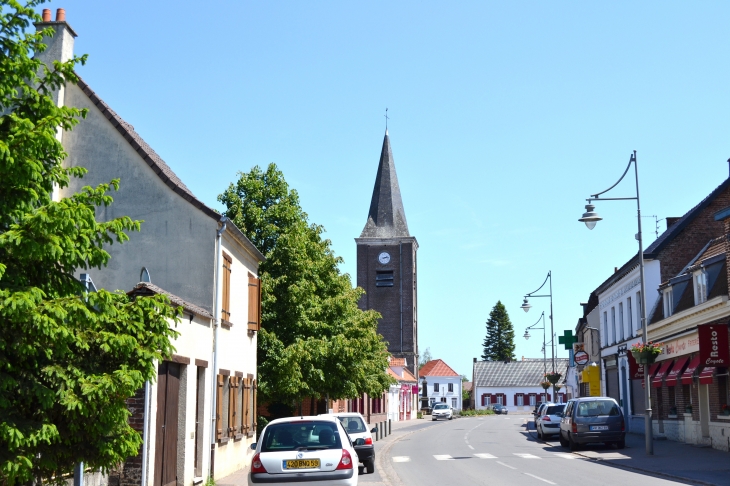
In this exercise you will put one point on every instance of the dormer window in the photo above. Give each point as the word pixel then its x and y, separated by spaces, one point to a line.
pixel 700 285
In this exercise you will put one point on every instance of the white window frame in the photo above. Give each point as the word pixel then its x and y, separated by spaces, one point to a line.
pixel 638 311
pixel 605 328
pixel 453 403
pixel 500 399
pixel 613 324
pixel 699 280
pixel 667 300
pixel 621 320
pixel 533 400
pixel 629 317
pixel 520 400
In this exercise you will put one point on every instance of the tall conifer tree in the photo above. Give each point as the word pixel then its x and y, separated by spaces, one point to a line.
pixel 499 343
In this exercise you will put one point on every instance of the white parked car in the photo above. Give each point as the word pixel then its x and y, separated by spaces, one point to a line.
pixel 442 410
pixel 547 420
pixel 302 450
pixel 356 427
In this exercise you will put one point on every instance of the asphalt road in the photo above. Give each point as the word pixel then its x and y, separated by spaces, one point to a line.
pixel 492 450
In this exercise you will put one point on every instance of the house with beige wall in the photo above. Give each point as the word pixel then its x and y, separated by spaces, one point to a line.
pixel 198 418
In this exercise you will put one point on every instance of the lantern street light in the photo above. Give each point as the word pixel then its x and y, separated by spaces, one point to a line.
pixel 526 307
pixel 590 218
pixel 527 336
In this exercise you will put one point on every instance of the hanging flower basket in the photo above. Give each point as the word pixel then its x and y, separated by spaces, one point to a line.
pixel 646 353
pixel 545 384
pixel 725 410
pixel 553 377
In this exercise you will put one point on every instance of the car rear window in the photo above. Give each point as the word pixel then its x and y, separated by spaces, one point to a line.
pixel 353 425
pixel 292 436
pixel 555 409
pixel 594 408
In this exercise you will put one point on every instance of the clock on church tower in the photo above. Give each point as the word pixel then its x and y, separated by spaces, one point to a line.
pixel 386 264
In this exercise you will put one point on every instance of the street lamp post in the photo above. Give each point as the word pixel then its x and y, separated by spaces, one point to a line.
pixel 526 307
pixel 590 218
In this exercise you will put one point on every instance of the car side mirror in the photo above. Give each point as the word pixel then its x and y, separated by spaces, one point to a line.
pixel 359 442
pixel 253 446
pixel 374 430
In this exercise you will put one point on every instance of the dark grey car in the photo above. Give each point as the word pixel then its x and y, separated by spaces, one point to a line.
pixel 592 419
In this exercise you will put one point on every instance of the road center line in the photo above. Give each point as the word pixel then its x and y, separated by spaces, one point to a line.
pixel 505 465
pixel 471 447
pixel 538 477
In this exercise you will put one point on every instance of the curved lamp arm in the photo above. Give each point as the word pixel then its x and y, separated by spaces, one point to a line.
pixel 541 286
pixel 538 321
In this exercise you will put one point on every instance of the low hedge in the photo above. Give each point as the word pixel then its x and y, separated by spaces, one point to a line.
pixel 474 413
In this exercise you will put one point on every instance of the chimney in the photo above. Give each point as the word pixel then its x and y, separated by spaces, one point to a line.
pixel 671 221
pixel 475 360
pixel 615 269
pixel 60 46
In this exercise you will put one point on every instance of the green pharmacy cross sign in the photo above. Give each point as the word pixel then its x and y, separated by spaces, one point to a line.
pixel 567 339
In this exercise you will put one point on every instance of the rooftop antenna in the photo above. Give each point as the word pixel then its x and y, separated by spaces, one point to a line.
pixel 386 123
pixel 656 221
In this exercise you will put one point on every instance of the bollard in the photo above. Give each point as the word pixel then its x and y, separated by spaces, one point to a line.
pixel 380 429
pixel 390 423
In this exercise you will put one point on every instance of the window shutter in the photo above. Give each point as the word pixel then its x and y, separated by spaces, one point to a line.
pixel 254 303
pixel 254 421
pixel 232 406
pixel 515 399
pixel 226 307
pixel 246 405
pixel 219 410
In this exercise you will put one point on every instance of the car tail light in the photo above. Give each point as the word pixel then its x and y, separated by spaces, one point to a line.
pixel 623 426
pixel 257 466
pixel 369 441
pixel 546 419
pixel 575 428
pixel 345 461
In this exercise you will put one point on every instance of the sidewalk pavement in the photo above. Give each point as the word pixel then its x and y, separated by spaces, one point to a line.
pixel 671 460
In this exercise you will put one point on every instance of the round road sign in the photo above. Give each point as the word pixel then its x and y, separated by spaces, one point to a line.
pixel 581 357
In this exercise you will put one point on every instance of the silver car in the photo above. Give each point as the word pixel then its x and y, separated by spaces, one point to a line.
pixel 442 410
pixel 592 419
pixel 547 420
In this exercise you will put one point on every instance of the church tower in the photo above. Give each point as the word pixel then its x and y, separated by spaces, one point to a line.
pixel 386 264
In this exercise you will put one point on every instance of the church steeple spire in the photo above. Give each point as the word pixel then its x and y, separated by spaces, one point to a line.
pixel 387 218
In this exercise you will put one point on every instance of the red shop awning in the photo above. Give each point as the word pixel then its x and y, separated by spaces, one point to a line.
pixel 706 375
pixel 691 367
pixel 677 369
pixel 652 369
pixel 656 382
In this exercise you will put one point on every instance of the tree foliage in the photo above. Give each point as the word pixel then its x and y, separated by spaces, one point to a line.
pixel 499 343
pixel 314 340
pixel 425 358
pixel 68 359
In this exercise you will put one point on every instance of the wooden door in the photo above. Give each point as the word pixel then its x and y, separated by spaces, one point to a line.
pixel 168 389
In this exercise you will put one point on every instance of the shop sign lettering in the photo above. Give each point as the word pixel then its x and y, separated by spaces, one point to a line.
pixel 714 345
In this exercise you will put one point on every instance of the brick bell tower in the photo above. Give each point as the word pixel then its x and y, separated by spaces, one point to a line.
pixel 386 264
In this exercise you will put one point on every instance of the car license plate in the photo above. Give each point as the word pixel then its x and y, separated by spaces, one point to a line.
pixel 599 427
pixel 301 464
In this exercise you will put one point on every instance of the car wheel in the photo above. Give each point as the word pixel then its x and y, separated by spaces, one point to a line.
pixel 540 433
pixel 450 417
pixel 563 442
pixel 433 419
pixel 621 444
pixel 370 466
pixel 573 445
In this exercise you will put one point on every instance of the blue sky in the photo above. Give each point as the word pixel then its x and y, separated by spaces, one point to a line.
pixel 504 117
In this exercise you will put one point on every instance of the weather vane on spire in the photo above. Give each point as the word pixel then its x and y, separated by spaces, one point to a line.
pixel 386 120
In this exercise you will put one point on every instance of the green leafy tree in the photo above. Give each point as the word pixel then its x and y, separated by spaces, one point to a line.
pixel 314 340
pixel 499 343
pixel 68 359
